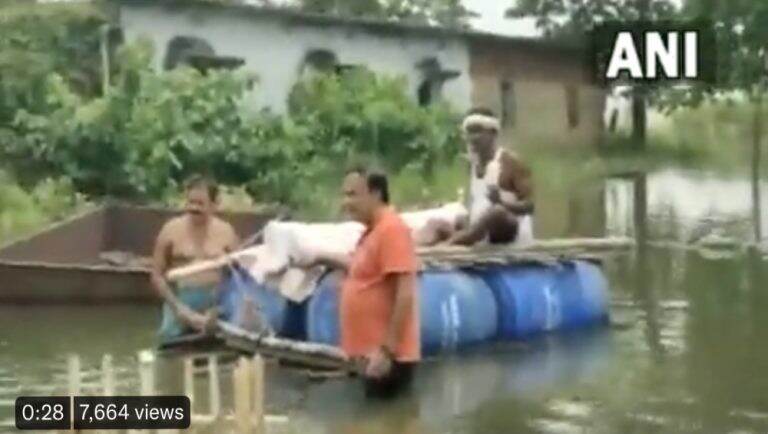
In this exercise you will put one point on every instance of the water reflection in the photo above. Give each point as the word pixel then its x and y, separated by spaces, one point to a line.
pixel 690 356
pixel 684 203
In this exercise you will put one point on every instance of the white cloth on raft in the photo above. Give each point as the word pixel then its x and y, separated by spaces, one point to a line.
pixel 287 243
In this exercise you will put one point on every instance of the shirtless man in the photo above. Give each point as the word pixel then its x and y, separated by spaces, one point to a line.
pixel 501 191
pixel 197 235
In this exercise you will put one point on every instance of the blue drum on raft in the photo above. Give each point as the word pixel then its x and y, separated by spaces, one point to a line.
pixel 457 310
pixel 533 299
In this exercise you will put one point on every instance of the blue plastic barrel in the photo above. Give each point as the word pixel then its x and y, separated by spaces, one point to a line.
pixel 283 316
pixel 323 311
pixel 533 299
pixel 457 310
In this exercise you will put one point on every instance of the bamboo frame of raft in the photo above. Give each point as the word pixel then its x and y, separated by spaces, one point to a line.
pixel 540 251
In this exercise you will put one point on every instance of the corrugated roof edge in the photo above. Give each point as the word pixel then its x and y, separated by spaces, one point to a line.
pixel 367 23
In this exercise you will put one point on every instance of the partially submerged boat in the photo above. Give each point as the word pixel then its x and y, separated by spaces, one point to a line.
pixel 100 256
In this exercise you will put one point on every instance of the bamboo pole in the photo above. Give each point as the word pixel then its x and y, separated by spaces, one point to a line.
pixel 557 245
pixel 312 354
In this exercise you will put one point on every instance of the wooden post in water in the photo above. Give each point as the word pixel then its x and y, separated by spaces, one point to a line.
pixel 107 380
pixel 248 382
pixel 258 395
pixel 189 379
pixel 241 378
pixel 107 375
pixel 74 380
pixel 146 378
pixel 146 373
pixel 214 388
pixel 74 377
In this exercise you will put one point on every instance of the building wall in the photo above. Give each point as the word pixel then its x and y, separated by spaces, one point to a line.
pixel 274 46
pixel 541 79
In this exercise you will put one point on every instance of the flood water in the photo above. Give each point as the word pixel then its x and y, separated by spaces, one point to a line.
pixel 687 351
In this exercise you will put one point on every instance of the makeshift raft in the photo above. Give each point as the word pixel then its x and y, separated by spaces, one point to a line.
pixel 467 297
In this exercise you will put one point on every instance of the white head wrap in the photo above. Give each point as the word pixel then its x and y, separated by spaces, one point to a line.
pixel 485 121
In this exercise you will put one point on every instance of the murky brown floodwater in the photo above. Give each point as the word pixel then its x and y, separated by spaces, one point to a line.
pixel 688 352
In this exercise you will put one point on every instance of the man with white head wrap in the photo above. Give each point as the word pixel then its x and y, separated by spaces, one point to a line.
pixel 501 190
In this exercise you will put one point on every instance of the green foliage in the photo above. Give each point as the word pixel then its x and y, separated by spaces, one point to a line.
pixel 152 130
pixel 35 41
pixel 742 31
pixel 360 114
pixel 573 19
pixel 23 211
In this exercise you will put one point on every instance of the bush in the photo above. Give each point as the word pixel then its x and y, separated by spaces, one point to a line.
pixel 152 130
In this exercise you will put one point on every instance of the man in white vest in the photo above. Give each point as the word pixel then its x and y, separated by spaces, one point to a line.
pixel 501 190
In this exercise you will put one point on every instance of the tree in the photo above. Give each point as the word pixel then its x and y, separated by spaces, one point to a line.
pixel 37 40
pixel 742 67
pixel 571 20
pixel 447 13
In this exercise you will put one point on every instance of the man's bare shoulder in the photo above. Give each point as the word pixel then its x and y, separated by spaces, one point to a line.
pixel 223 228
pixel 173 226
pixel 221 224
pixel 513 162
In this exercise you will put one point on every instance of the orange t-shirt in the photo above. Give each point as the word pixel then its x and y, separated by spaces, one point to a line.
pixel 368 299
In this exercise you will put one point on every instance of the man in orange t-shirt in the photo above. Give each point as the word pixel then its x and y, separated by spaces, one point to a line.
pixel 378 303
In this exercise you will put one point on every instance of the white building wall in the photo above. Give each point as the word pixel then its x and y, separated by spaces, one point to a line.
pixel 274 49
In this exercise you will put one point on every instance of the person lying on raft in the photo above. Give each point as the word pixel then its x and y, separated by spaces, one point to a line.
pixel 501 191
pixel 195 236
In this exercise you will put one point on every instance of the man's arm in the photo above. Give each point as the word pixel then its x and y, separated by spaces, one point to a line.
pixel 516 177
pixel 405 287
